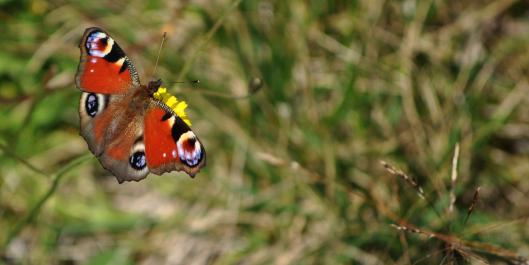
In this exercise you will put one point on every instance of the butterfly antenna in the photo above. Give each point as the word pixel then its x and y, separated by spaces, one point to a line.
pixel 254 85
pixel 159 52
pixel 186 82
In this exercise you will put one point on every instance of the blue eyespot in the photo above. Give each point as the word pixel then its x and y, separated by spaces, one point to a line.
pixel 138 160
pixel 91 105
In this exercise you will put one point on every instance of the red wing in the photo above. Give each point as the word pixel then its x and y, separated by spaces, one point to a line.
pixel 169 143
pixel 104 68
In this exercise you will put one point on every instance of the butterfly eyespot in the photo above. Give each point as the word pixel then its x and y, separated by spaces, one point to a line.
pixel 104 41
pixel 91 105
pixel 138 160
pixel 98 44
pixel 189 149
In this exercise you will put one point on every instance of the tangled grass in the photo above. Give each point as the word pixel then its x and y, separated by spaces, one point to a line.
pixel 437 90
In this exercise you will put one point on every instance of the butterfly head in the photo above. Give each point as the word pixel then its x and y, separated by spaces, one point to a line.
pixel 153 86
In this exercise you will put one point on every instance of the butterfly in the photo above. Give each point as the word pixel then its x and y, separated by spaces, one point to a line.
pixel 132 129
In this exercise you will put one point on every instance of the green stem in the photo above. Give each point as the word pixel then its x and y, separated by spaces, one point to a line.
pixel 40 204
pixel 7 151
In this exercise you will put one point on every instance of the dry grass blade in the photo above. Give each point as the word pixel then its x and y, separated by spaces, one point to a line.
pixel 453 178
pixel 411 182
pixel 407 179
pixel 413 230
pixel 467 249
pixel 472 204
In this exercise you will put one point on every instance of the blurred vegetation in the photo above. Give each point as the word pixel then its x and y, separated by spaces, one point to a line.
pixel 437 89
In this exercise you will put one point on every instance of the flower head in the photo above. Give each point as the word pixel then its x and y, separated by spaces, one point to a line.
pixel 173 103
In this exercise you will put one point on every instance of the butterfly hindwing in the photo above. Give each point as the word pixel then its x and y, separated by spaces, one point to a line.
pixel 104 68
pixel 124 155
pixel 169 142
pixel 112 126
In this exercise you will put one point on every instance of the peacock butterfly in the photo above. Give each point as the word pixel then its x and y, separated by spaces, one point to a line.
pixel 131 128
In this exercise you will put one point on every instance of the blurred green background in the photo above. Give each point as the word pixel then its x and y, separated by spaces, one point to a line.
pixel 294 172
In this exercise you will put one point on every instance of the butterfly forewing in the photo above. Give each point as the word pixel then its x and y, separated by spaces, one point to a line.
pixel 104 67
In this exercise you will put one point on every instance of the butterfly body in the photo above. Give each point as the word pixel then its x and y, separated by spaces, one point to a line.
pixel 126 126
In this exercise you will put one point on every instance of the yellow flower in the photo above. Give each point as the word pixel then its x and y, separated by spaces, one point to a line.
pixel 179 107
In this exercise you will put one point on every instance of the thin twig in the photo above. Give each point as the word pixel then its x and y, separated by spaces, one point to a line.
pixel 34 212
pixel 16 157
pixel 472 204
pixel 463 246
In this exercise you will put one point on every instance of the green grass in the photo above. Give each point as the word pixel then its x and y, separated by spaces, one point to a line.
pixel 294 173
